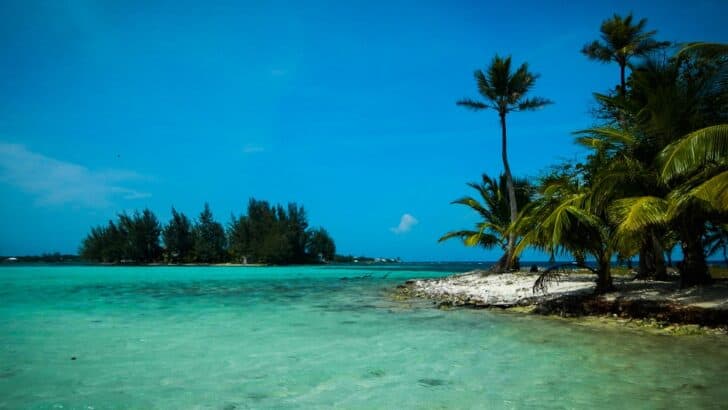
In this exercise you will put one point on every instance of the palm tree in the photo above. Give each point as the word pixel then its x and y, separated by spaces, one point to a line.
pixel 671 135
pixel 621 40
pixel 564 218
pixel 695 168
pixel 505 91
pixel 622 170
pixel 494 209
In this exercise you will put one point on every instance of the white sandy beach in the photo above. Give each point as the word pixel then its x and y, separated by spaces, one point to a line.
pixel 516 289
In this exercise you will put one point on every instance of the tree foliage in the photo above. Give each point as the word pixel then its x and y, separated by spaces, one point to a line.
pixel 209 238
pixel 657 172
pixel 132 237
pixel 320 245
pixel 268 234
pixel 622 39
pixel 492 207
pixel 178 238
pixel 505 91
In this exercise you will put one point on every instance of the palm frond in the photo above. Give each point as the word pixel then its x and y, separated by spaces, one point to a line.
pixel 608 135
pixel 624 176
pixel 703 49
pixel 633 217
pixel 714 191
pixel 473 204
pixel 561 222
pixel 703 147
pixel 597 51
pixel 493 210
pixel 472 238
pixel 499 75
pixel 533 103
pixel 472 104
pixel 638 213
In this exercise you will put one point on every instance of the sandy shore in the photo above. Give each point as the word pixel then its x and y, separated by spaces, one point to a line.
pixel 503 290
pixel 573 295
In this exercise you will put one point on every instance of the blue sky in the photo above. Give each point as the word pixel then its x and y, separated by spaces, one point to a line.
pixel 345 107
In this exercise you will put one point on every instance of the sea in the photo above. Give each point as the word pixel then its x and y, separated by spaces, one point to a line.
pixel 319 337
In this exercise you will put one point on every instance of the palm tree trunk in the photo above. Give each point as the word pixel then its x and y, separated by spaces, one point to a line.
pixel 643 272
pixel 693 269
pixel 652 259
pixel 604 274
pixel 622 88
pixel 660 268
pixel 511 190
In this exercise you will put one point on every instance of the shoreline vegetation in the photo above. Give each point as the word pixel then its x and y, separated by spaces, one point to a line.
pixel 266 235
pixel 655 178
pixel 660 306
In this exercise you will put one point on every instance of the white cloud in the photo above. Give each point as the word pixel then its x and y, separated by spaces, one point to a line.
pixel 56 182
pixel 406 222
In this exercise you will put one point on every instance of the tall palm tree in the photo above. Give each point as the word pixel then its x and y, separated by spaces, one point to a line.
pixel 621 40
pixel 505 92
pixel 494 210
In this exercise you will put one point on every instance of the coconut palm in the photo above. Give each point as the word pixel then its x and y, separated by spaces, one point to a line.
pixel 564 218
pixel 505 91
pixel 494 210
pixel 622 40
pixel 667 100
pixel 695 168
pixel 621 171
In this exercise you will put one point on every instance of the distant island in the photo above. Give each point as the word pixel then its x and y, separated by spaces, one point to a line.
pixel 266 234
pixel 364 259
pixel 55 257
pixel 58 258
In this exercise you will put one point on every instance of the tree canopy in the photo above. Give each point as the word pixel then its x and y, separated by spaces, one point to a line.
pixel 267 234
pixel 656 173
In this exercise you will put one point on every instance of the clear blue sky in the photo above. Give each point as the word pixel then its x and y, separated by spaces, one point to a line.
pixel 345 107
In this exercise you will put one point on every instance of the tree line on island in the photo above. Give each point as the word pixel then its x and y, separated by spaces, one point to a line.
pixel 267 234
pixel 656 175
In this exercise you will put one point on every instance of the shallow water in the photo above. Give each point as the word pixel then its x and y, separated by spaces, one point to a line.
pixel 317 337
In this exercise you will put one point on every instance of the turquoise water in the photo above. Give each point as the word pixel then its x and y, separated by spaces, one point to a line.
pixel 304 337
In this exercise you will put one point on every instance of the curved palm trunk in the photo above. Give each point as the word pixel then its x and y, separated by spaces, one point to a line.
pixel 501 265
pixel 511 193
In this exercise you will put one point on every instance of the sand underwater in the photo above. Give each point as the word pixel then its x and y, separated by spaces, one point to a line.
pixel 318 337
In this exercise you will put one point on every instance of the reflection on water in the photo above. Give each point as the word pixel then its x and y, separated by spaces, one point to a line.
pixel 303 337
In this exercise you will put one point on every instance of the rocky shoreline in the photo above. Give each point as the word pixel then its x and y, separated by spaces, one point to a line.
pixel 659 304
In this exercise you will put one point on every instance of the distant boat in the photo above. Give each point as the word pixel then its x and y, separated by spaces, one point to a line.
pixel 11 259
